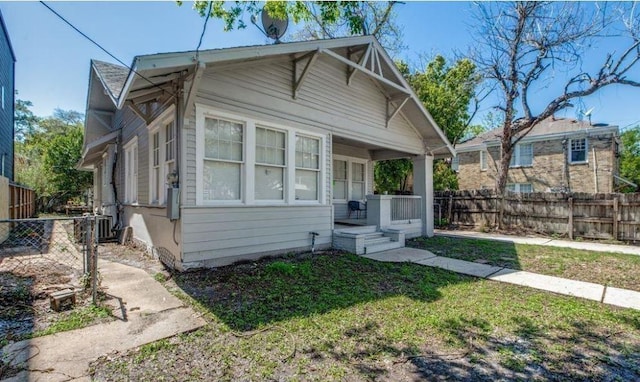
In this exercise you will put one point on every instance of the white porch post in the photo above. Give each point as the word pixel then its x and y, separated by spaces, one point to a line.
pixel 423 186
pixel 379 210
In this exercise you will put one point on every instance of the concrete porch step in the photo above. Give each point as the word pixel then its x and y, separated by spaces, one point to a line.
pixel 383 246
pixel 375 241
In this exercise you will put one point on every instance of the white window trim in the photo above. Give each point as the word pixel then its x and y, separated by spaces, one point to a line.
pixel 158 125
pixel 586 151
pixel 247 176
pixel 349 161
pixel 131 185
pixel 516 155
pixel 483 160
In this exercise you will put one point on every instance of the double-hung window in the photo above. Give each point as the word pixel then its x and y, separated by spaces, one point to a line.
pixel 170 148
pixel 357 181
pixel 270 163
pixel 578 152
pixel 162 154
pixel 131 171
pixel 307 168
pixel 340 180
pixel 522 155
pixel 156 170
pixel 223 159
pixel 483 160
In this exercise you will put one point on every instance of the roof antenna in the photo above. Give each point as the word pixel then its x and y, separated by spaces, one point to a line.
pixel 588 115
pixel 271 27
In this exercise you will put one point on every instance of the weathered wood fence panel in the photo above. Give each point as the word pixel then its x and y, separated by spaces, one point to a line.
pixel 22 202
pixel 594 216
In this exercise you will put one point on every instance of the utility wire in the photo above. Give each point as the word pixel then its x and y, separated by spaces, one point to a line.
pixel 204 28
pixel 105 50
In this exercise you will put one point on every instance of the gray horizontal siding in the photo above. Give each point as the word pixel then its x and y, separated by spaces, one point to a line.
pixel 221 232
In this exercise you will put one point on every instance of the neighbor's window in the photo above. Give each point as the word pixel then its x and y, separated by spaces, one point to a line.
pixel 131 171
pixel 455 163
pixel 357 181
pixel 307 168
pixel 520 187
pixel 522 155
pixel 483 160
pixel 223 159
pixel 340 179
pixel 270 164
pixel 578 150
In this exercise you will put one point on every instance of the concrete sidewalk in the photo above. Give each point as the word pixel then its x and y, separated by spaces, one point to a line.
pixel 596 292
pixel 584 245
pixel 147 312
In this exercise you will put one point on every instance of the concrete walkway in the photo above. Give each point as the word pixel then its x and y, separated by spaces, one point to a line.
pixel 584 245
pixel 596 292
pixel 146 312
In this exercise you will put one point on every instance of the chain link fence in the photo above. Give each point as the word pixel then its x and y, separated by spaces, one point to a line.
pixel 51 246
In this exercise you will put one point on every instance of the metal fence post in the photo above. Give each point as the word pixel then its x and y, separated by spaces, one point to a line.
pixel 94 274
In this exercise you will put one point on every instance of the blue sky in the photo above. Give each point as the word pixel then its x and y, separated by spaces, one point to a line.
pixel 52 66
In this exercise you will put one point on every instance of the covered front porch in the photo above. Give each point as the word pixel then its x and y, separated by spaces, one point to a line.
pixel 362 215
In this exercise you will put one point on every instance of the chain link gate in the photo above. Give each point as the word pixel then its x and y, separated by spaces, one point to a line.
pixel 52 246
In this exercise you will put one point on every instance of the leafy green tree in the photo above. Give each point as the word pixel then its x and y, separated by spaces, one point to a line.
pixel 26 122
pixel 47 154
pixel 630 157
pixel 391 176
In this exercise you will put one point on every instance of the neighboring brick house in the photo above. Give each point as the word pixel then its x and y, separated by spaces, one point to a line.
pixel 559 154
pixel 7 80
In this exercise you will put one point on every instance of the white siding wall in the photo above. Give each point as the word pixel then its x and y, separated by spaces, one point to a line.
pixel 218 236
pixel 214 236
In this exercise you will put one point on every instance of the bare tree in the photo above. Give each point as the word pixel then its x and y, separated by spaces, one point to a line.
pixel 520 46
pixel 377 18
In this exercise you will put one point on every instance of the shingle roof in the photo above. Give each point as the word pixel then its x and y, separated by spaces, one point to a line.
pixel 113 76
pixel 547 126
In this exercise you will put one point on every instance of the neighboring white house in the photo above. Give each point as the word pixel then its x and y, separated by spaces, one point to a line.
pixel 237 153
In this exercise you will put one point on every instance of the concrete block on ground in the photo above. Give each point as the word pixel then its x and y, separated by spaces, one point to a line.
pixel 622 297
pixel 460 266
pixel 559 285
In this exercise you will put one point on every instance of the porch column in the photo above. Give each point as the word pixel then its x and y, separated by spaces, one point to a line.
pixel 379 210
pixel 423 186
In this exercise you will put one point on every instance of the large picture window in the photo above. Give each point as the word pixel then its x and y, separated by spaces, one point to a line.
pixel 223 158
pixel 243 161
pixel 270 164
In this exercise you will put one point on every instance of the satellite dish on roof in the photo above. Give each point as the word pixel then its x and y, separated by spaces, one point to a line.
pixel 271 27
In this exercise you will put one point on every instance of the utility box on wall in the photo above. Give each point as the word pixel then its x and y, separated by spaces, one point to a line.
pixel 173 203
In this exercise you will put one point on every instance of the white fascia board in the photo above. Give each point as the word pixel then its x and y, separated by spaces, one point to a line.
pixel 167 60
pixel 413 95
pixel 127 85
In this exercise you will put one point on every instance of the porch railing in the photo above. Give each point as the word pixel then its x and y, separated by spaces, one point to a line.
pixel 406 207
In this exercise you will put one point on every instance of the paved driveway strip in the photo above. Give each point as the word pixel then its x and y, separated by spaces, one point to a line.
pixel 596 292
pixel 148 313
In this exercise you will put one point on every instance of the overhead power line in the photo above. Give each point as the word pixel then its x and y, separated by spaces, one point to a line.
pixel 104 49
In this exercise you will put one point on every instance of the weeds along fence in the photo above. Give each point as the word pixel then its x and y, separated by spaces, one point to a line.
pixel 586 215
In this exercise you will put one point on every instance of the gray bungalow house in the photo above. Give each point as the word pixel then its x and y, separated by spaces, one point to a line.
pixel 231 154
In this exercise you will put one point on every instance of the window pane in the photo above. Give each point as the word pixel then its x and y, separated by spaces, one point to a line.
pixel 526 187
pixel 357 191
pixel 526 154
pixel 306 185
pixel 269 183
pixel 511 187
pixel 339 169
pixel 483 160
pixel 222 140
pixel 357 172
pixel 221 181
pixel 578 150
pixel 340 189
pixel 307 152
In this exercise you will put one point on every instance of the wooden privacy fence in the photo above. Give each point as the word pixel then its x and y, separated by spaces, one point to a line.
pixel 593 216
pixel 22 202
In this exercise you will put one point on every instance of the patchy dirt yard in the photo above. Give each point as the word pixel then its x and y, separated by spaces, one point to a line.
pixel 336 317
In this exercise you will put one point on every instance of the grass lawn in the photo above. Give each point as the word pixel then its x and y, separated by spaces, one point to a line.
pixel 338 317
pixel 612 269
